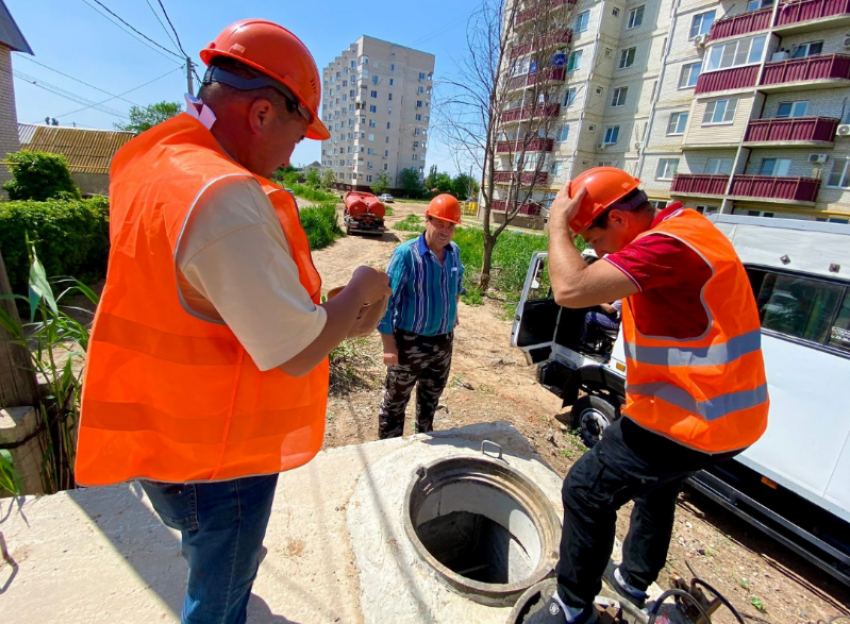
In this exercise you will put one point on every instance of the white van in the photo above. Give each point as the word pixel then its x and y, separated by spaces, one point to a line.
pixel 794 483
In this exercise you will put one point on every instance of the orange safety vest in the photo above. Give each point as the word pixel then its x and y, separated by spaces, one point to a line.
pixel 708 392
pixel 168 396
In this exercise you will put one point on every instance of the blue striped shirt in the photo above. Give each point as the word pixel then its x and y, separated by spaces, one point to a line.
pixel 425 291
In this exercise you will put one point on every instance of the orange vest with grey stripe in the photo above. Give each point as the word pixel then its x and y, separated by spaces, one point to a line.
pixel 168 396
pixel 709 392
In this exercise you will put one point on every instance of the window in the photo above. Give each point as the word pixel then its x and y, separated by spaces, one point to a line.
pixel 368 177
pixel 718 166
pixel 388 125
pixel 677 124
pixel 690 74
pixel 353 64
pixel 719 112
pixel 701 24
pixel 420 90
pixel 736 53
pixel 570 97
pixel 803 308
pixel 364 60
pixel 612 133
pixel 666 169
pixel 374 94
pixel 792 109
pixel 374 80
pixel 390 110
pixel 417 131
pixel 369 165
pixel 565 132
pixel 421 75
pixel 627 57
pixel 574 61
pixel 775 166
pixel 807 49
pixel 373 109
pixel 704 209
pixel 372 123
pixel 386 139
pixel 418 117
pixel 557 168
pixel 418 103
pixel 619 98
pixel 636 17
pixel 371 137
pixel 370 151
pixel 615 12
pixel 840 175
pixel 581 22
pixel 392 66
pixel 386 167
pixel 755 5
pixel 416 157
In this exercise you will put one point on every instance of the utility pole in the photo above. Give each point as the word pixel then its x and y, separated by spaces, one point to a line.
pixel 189 66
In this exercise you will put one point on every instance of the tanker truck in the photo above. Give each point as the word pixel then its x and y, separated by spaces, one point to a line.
pixel 364 213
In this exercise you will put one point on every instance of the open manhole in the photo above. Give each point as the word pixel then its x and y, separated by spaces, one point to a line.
pixel 485 528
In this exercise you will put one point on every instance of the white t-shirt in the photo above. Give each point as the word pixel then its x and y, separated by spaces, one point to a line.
pixel 235 267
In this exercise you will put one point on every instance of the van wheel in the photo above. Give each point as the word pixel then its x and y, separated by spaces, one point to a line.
pixel 590 415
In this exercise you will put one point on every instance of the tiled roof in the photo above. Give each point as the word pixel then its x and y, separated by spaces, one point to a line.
pixel 10 35
pixel 87 151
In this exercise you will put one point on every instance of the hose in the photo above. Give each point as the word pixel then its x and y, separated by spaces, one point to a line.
pixel 721 598
pixel 653 613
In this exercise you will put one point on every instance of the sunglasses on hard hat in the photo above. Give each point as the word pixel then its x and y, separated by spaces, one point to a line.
pixel 217 74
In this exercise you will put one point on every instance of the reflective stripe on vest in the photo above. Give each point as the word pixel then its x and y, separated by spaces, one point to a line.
pixel 713 355
pixel 708 410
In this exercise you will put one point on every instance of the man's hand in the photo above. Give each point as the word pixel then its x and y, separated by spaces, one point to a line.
pixel 372 284
pixel 564 207
pixel 390 350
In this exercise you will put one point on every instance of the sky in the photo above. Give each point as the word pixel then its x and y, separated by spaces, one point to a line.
pixel 69 36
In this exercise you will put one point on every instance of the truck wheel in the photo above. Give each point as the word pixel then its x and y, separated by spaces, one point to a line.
pixel 590 415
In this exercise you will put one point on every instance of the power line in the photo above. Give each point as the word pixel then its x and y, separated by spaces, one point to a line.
pixel 164 29
pixel 131 31
pixel 63 93
pixel 168 73
pixel 78 80
pixel 179 43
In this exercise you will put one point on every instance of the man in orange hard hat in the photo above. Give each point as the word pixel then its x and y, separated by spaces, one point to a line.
pixel 207 370
pixel 426 275
pixel 695 384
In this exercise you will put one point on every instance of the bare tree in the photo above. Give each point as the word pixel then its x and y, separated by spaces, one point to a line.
pixel 502 107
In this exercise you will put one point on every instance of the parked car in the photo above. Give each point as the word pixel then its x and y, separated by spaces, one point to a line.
pixel 793 483
pixel 386 198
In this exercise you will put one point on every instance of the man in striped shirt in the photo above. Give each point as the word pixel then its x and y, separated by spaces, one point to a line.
pixel 426 277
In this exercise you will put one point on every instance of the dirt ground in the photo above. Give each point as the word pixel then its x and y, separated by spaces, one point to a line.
pixel 491 382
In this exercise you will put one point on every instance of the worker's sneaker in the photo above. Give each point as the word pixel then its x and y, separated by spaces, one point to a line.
pixel 554 612
pixel 614 580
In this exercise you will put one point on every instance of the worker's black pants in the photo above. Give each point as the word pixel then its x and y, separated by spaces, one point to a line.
pixel 629 463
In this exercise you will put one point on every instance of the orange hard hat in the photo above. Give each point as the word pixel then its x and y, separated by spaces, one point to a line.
pixel 277 53
pixel 444 207
pixel 605 187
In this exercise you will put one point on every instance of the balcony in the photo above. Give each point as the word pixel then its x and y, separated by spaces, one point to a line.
pixel 554 38
pixel 531 209
pixel 811 72
pixel 533 145
pixel 770 189
pixel 549 75
pixel 543 7
pixel 526 178
pixel 527 112
pixel 727 79
pixel 809 15
pixel 794 131
pixel 740 24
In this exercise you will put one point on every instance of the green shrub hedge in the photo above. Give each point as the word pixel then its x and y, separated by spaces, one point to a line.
pixel 321 225
pixel 71 238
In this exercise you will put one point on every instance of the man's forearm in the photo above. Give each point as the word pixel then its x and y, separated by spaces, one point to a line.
pixel 388 341
pixel 565 263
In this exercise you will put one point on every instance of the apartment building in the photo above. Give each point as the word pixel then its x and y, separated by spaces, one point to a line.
pixel 735 107
pixel 376 103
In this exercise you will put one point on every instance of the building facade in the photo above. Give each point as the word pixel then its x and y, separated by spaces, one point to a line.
pixel 733 107
pixel 376 102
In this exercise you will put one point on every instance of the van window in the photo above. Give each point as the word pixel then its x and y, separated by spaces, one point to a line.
pixel 804 308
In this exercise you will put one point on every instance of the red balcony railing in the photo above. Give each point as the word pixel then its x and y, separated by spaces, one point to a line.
pixel 699 184
pixel 530 209
pixel 551 109
pixel 563 36
pixel 794 12
pixel 755 186
pixel 740 24
pixel 820 67
pixel 526 177
pixel 772 187
pixel 791 129
pixel 725 79
pixel 543 7
pixel 549 74
pixel 533 145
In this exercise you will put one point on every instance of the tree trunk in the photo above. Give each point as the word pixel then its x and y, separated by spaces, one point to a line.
pixel 17 381
pixel 486 262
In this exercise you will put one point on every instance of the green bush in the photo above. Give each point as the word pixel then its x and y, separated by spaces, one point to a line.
pixel 312 194
pixel 321 225
pixel 70 236
pixel 40 176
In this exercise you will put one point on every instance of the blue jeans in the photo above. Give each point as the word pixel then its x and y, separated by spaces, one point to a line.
pixel 222 526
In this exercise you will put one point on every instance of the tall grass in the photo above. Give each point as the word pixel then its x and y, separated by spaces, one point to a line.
pixel 313 194
pixel 321 225
pixel 411 223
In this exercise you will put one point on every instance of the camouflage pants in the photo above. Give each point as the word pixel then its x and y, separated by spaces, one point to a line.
pixel 424 362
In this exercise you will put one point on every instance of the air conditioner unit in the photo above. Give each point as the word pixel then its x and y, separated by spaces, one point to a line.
pixel 818 159
pixel 843 130
pixel 846 42
pixel 700 40
pixel 601 146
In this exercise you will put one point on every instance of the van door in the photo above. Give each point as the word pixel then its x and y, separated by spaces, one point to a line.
pixel 536 314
